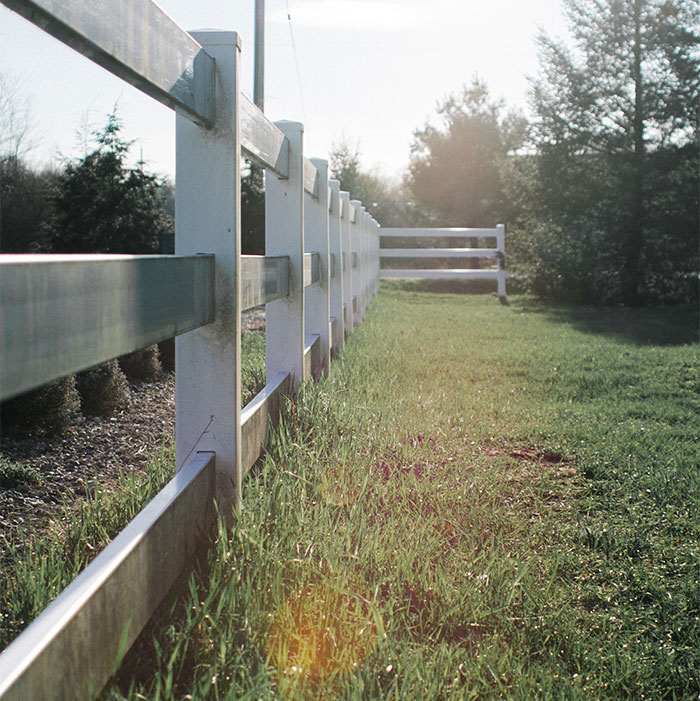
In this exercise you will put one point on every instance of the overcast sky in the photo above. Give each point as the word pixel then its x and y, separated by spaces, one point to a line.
pixel 369 71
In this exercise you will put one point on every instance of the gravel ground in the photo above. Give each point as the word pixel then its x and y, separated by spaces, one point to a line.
pixel 94 448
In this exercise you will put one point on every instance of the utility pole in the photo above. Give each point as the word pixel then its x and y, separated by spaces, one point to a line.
pixel 259 77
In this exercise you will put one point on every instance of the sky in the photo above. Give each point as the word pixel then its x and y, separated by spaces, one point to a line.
pixel 367 72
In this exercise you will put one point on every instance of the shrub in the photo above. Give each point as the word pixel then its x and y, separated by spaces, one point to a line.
pixel 167 354
pixel 103 389
pixel 14 474
pixel 142 364
pixel 49 409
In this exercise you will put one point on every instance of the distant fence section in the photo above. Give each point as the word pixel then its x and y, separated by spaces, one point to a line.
pixel 62 314
pixel 418 245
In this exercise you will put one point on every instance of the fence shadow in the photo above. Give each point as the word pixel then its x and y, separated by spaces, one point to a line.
pixel 658 326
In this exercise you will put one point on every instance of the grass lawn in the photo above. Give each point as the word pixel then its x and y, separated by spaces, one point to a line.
pixel 41 567
pixel 482 501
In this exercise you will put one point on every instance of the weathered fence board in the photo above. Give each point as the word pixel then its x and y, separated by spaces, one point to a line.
pixel 261 140
pixel 137 41
pixel 72 648
pixel 257 416
pixel 60 314
pixel 263 279
pixel 438 252
pixel 461 233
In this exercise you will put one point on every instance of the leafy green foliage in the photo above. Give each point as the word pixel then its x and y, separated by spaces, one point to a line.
pixel 253 369
pixel 386 203
pixel 616 132
pixel 49 409
pixel 102 206
pixel 14 474
pixel 455 172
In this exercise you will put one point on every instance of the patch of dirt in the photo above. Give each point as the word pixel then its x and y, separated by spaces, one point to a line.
pixel 93 448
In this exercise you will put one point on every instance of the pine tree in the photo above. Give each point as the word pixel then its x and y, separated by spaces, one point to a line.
pixel 630 88
pixel 103 206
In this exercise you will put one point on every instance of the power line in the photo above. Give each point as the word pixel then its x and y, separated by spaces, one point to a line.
pixel 296 65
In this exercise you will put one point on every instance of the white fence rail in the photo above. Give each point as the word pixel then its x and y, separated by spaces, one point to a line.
pixel 63 314
pixel 495 255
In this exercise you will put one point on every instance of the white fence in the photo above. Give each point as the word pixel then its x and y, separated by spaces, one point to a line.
pixel 496 255
pixel 62 314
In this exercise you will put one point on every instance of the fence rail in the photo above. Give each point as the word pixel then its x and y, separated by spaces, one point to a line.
pixel 65 313
pixel 62 314
pixel 443 236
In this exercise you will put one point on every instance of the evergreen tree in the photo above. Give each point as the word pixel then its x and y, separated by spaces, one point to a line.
pixel 609 113
pixel 24 205
pixel 103 206
pixel 253 211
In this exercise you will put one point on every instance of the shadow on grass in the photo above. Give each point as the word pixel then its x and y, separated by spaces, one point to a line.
pixel 658 326
pixel 475 287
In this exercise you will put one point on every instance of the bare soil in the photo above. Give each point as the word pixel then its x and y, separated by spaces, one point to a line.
pixel 92 449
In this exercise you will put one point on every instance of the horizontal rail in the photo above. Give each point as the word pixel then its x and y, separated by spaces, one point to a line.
pixel 71 649
pixel 312 268
pixel 310 178
pixel 446 274
pixel 257 416
pixel 313 367
pixel 263 279
pixel 261 140
pixel 437 233
pixel 137 42
pixel 60 314
pixel 438 252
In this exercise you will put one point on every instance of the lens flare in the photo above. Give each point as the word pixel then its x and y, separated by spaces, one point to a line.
pixel 324 627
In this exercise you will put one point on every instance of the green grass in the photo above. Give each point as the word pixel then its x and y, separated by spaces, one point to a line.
pixel 252 365
pixel 36 570
pixel 481 502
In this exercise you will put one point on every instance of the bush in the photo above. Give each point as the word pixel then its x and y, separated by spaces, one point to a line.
pixel 49 409
pixel 142 364
pixel 14 474
pixel 167 354
pixel 103 389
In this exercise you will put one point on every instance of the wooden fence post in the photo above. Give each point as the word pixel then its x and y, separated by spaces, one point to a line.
pixel 284 236
pixel 336 249
pixel 316 239
pixel 207 220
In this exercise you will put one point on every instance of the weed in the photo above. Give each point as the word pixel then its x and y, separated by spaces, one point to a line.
pixel 14 475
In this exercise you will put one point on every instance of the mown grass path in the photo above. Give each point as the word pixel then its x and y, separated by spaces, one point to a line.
pixel 481 502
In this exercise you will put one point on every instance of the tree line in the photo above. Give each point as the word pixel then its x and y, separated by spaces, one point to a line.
pixel 598 189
